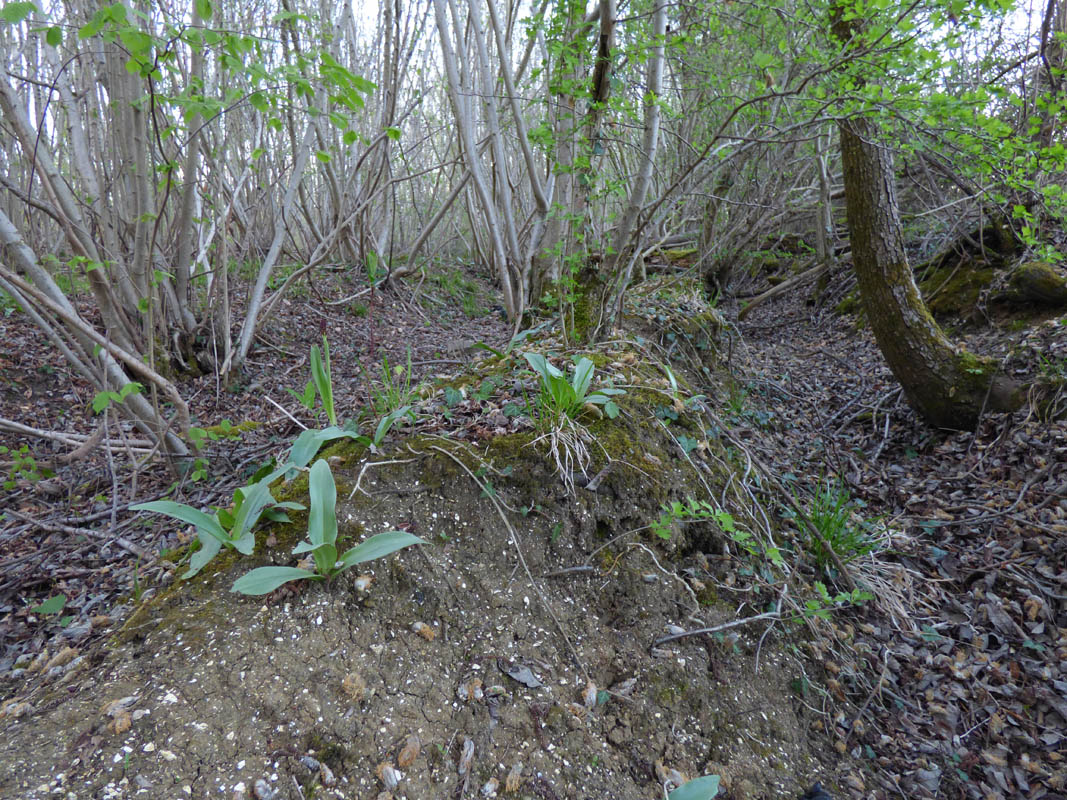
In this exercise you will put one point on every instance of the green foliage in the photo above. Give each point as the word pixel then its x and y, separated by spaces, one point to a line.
pixel 229 528
pixel 104 399
pixel 562 398
pixel 322 542
pixel 23 467
pixel 14 13
pixel 387 422
pixel 8 304
pixel 454 284
pixel 701 510
pixel 823 604
pixel 831 512
pixel 323 378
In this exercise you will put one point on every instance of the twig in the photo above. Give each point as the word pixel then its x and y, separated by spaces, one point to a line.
pixel 122 542
pixel 370 464
pixel 775 615
pixel 300 424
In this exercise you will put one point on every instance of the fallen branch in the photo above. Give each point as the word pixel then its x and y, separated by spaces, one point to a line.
pixel 781 288
pixel 121 541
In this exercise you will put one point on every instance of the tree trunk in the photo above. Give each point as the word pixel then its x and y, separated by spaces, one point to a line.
pixel 948 386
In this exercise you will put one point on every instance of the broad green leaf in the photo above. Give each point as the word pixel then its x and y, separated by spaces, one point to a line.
pixel 256 498
pixel 325 559
pixel 322 516
pixel 245 544
pixel 209 548
pixel 264 580
pixel 136 42
pixel 53 605
pixel 393 133
pixel 203 9
pixel 320 374
pixel 487 348
pixel 387 422
pixel 703 788
pixel 763 60
pixel 185 513
pixel 377 546
pixel 307 444
pixel 14 13
pixel 259 103
pixel 307 547
pixel 54 36
pixel 583 376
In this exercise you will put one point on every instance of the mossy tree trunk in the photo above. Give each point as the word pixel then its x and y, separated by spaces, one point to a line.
pixel 948 386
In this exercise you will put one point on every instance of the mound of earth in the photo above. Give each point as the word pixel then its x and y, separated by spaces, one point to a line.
pixel 515 654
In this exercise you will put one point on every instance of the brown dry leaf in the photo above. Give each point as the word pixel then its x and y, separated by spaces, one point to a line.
pixel 121 723
pixel 514 779
pixel 354 687
pixel 409 752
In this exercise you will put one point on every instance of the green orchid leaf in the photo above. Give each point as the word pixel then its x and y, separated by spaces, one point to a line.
pixel 583 376
pixel 703 788
pixel 265 580
pixel 185 513
pixel 322 517
pixel 377 546
pixel 209 548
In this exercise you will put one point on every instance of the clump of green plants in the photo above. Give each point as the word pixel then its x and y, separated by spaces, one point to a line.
pixel 702 511
pixel 840 529
pixel 459 288
pixel 393 389
pixel 560 404
pixel 824 603
pixel 561 397
pixel 322 543
pixel 8 304
pixel 230 528
pixel 23 466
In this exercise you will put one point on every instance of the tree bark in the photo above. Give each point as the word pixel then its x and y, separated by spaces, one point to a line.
pixel 948 386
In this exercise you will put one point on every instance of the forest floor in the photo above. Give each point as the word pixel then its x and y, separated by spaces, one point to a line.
pixel 950 684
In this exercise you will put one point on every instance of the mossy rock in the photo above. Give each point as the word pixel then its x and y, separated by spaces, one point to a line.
pixel 956 289
pixel 1037 283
